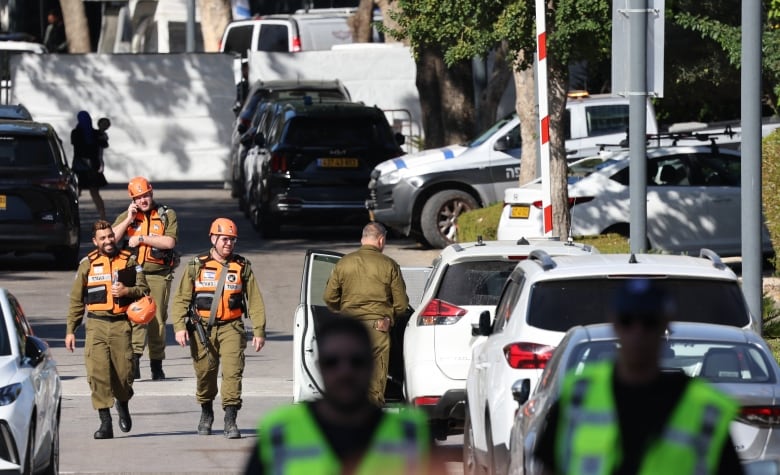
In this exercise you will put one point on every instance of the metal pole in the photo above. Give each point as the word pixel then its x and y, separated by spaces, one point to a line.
pixel 637 122
pixel 190 26
pixel 751 156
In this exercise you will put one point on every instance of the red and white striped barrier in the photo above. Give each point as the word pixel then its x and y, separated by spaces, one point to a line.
pixel 544 114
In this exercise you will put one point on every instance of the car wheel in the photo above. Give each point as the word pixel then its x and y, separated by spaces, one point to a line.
pixel 270 227
pixel 54 456
pixel 470 466
pixel 440 214
pixel 67 257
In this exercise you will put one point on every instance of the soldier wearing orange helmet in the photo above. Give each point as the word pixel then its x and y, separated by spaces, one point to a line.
pixel 152 231
pixel 218 288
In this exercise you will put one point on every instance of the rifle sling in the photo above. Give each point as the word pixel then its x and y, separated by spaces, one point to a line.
pixel 217 297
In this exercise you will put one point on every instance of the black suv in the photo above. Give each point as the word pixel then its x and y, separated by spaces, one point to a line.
pixel 316 162
pixel 39 208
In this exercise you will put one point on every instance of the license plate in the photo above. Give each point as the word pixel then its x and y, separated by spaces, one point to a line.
pixel 519 211
pixel 338 162
pixel 3 202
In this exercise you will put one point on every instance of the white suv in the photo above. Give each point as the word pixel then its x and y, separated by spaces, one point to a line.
pixel 544 297
pixel 466 280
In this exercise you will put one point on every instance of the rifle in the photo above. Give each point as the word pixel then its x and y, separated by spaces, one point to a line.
pixel 195 325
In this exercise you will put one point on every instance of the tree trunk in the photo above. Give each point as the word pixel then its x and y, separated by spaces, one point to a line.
pixel 76 27
pixel 499 78
pixel 528 112
pixel 360 22
pixel 428 65
pixel 214 18
pixel 389 8
pixel 457 100
pixel 558 84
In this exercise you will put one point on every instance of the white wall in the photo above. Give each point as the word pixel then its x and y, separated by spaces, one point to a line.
pixel 171 114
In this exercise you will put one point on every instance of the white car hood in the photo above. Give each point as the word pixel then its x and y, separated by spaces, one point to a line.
pixel 420 159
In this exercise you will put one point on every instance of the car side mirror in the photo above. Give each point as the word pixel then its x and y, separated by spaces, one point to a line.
pixel 242 128
pixel 400 138
pixel 521 391
pixel 502 144
pixel 35 350
pixel 259 139
pixel 485 327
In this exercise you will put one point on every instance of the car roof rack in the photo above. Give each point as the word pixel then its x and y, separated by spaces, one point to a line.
pixel 542 258
pixel 714 257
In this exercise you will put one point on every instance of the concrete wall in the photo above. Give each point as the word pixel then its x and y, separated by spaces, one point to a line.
pixel 171 114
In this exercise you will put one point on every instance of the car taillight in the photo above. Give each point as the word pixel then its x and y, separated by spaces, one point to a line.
pixel 59 183
pixel 426 400
pixel 760 415
pixel 528 355
pixel 278 163
pixel 572 201
pixel 439 312
pixel 296 44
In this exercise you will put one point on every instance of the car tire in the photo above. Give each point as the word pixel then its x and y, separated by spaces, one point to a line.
pixel 67 257
pixel 440 213
pixel 54 455
pixel 269 225
pixel 470 465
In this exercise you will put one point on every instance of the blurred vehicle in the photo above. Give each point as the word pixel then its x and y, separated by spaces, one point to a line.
pixel 263 92
pixel 30 396
pixel 20 43
pixel 423 194
pixel 545 296
pixel 736 361
pixel 693 201
pixel 316 163
pixel 14 112
pixel 312 311
pixel 163 28
pixel 39 209
pixel 466 279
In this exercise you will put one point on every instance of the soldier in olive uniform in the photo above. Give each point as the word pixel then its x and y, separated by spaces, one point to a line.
pixel 368 285
pixel 220 318
pixel 107 282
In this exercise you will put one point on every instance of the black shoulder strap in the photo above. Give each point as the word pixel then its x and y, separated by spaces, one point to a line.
pixel 162 212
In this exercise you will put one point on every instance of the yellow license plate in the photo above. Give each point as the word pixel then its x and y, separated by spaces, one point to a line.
pixel 3 202
pixel 338 162
pixel 519 211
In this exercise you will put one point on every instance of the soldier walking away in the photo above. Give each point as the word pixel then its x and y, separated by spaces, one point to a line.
pixel 344 432
pixel 630 417
pixel 152 231
pixel 107 282
pixel 217 289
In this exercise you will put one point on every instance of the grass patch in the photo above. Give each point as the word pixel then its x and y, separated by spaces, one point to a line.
pixel 770 194
pixel 607 243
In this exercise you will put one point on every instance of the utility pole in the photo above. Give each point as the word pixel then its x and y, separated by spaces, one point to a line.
pixel 190 45
pixel 752 248
pixel 637 123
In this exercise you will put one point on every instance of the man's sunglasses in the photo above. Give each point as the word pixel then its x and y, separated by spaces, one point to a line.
pixel 354 362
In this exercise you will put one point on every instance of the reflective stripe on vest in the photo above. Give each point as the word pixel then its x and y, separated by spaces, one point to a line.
pixel 99 282
pixel 292 443
pixel 231 306
pixel 151 225
pixel 588 438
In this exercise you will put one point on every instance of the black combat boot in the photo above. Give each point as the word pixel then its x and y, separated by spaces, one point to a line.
pixel 125 421
pixel 157 371
pixel 206 418
pixel 231 429
pixel 137 366
pixel 106 429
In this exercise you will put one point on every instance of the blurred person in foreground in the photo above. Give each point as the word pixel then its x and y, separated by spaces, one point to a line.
pixel 630 417
pixel 368 286
pixel 344 432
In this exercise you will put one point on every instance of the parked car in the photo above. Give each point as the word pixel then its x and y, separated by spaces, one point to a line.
pixel 423 194
pixel 14 112
pixel 693 201
pixel 466 280
pixel 163 27
pixel 316 163
pixel 39 208
pixel 312 311
pixel 264 92
pixel 30 396
pixel 736 361
pixel 545 296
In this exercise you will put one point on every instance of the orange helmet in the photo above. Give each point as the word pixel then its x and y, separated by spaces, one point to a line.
pixel 223 227
pixel 142 311
pixel 138 186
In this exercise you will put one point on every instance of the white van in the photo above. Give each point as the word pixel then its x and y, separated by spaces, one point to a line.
pixel 165 30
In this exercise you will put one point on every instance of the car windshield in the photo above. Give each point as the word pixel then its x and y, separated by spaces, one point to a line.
pixel 716 361
pixel 558 305
pixel 474 282
pixel 489 132
pixel 25 151
pixel 338 132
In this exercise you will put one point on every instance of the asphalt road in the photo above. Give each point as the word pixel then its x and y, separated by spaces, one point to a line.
pixel 165 414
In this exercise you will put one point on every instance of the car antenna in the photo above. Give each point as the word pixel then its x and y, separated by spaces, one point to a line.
pixel 632 259
pixel 480 242
pixel 523 242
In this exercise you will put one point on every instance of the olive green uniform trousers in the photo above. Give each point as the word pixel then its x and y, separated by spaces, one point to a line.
pixel 154 332
pixel 380 343
pixel 227 345
pixel 109 360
